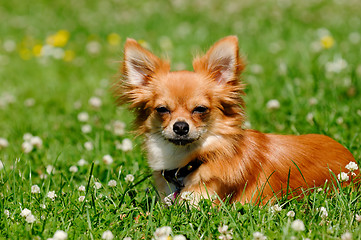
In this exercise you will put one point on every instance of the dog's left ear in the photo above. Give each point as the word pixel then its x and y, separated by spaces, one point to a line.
pixel 222 61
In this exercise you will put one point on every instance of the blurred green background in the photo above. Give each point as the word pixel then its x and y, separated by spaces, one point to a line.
pixel 60 52
pixel 56 55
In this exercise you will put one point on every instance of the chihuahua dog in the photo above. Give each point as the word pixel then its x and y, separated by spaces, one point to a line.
pixel 192 124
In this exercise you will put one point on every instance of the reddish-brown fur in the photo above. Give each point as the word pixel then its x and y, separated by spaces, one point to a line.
pixel 245 165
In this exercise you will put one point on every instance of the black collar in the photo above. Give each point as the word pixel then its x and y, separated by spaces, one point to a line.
pixel 176 176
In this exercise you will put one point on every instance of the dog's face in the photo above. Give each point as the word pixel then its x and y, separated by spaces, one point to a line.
pixel 183 107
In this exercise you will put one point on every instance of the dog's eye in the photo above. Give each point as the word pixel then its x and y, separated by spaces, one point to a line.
pixel 200 109
pixel 162 110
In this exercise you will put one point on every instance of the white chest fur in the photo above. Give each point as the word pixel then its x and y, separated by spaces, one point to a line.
pixel 163 154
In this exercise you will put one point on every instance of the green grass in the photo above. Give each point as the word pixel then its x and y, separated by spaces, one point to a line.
pixel 279 36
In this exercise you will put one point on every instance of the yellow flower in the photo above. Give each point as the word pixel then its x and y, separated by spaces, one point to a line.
pixel 144 43
pixel 69 55
pixel 37 50
pixel 327 42
pixel 25 53
pixel 113 39
pixel 58 39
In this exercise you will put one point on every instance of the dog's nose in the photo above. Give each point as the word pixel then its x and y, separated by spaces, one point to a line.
pixel 181 128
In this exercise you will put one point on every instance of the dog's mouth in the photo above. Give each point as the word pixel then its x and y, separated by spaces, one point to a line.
pixel 181 141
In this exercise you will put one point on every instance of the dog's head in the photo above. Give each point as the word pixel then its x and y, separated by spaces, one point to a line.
pixel 183 107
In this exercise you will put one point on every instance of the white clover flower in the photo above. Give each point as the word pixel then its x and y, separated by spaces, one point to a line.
pixel 354 37
pixel 323 212
pixel 77 104
pixel 310 118
pixel 118 128
pixel 9 45
pixel 225 233
pixel 343 177
pixel 162 233
pixel 259 236
pixel 3 103
pixel 129 238
pixel 83 117
pixel 107 235
pixel 275 47
pixel 97 185
pixel 336 66
pixel 298 225
pixel 3 143
pixel 273 104
pixel 60 235
pixel 276 208
pixel 165 43
pixel 168 200
pixel 108 127
pixel 179 237
pixel 223 229
pixel 30 218
pixel 256 69
pixel 81 188
pixel 58 53
pixel 27 147
pixel 36 141
pixel 339 120
pixel 1 165
pixel 100 91
pixel 86 128
pixel 27 137
pixel 321 32
pixel 29 102
pixel 47 50
pixel 95 102
pixel 88 146
pixel 187 196
pixel 312 101
pixel 107 159
pixel 35 189
pixel 51 195
pixel 127 145
pixel 291 214
pixel 50 169
pixel 112 183
pixel 358 218
pixel 43 176
pixel 351 166
pixel 82 162
pixel 81 198
pixel 118 145
pixel 346 236
pixel 225 236
pixel 25 212
pixel 73 169
pixel 8 98
pixel 7 213
pixel 129 178
pixel 93 47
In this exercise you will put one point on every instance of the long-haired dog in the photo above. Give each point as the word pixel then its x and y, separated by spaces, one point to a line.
pixel 192 124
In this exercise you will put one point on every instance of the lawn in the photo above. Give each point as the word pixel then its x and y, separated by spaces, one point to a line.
pixel 69 161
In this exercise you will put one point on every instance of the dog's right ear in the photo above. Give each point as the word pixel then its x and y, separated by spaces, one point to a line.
pixel 140 65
